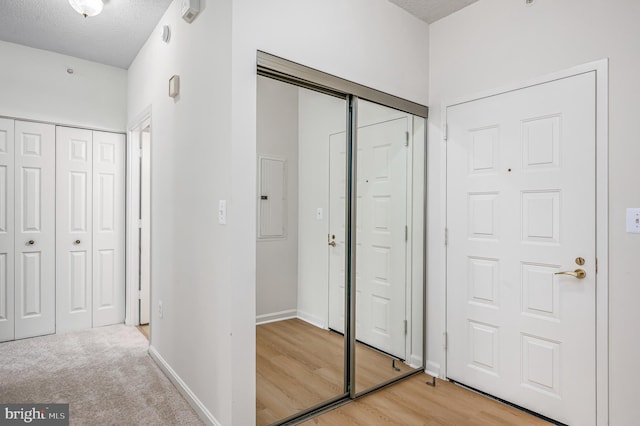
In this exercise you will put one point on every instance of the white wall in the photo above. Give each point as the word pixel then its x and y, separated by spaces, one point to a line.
pixel 497 42
pixel 34 84
pixel 191 166
pixel 277 259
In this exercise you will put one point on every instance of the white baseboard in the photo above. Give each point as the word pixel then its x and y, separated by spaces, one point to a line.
pixel 313 319
pixel 275 316
pixel 433 369
pixel 202 411
pixel 415 361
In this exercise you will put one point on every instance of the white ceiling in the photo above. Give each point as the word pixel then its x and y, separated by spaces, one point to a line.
pixel 432 10
pixel 116 35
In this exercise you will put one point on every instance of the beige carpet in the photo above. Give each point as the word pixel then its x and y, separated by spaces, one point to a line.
pixel 105 374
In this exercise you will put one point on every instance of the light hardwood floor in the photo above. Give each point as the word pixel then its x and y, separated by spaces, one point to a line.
pixel 299 365
pixel 412 403
pixel 144 329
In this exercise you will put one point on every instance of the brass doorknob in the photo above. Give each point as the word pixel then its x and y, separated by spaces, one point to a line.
pixel 332 243
pixel 31 242
pixel 578 273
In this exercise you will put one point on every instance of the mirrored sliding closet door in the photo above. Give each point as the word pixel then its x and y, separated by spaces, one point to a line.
pixel 301 170
pixel 340 240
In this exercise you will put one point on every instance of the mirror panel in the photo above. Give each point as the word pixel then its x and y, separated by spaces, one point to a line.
pixel 300 253
pixel 389 244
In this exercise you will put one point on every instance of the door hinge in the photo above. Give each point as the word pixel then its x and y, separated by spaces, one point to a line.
pixel 406 141
pixel 140 152
pixel 596 265
pixel 445 131
pixel 406 326
pixel 406 233
pixel 139 294
pixel 139 224
pixel 446 236
pixel 445 340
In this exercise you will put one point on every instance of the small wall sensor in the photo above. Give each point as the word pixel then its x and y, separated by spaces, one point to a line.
pixel 174 86
pixel 190 9
pixel 166 33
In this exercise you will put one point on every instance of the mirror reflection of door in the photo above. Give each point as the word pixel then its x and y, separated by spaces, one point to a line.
pixel 389 244
pixel 299 360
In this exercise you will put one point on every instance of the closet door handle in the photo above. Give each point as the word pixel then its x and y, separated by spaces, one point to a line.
pixel 76 242
pixel 31 242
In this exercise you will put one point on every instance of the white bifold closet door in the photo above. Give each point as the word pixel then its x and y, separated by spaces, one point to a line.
pixel 90 229
pixel 74 217
pixel 108 228
pixel 7 322
pixel 34 229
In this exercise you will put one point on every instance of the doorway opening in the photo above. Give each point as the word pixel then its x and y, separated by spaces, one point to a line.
pixel 139 227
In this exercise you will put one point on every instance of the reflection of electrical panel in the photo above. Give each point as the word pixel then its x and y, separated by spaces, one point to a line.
pixel 272 197
pixel 190 9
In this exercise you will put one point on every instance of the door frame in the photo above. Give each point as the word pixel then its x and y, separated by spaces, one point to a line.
pixel 132 311
pixel 601 68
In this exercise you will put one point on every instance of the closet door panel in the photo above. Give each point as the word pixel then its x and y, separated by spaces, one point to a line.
pixel 34 229
pixel 108 228
pixel 6 230
pixel 74 176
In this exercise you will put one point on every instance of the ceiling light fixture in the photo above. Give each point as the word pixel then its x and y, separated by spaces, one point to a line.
pixel 87 7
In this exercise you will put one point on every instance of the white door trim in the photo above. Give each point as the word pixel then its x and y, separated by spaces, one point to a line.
pixel 601 68
pixel 132 313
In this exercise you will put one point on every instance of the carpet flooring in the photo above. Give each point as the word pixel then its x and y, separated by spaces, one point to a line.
pixel 105 374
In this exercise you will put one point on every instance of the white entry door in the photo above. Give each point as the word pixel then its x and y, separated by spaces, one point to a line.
pixel 337 230
pixel 521 210
pixel 74 217
pixel 108 228
pixel 34 229
pixel 381 240
pixel 6 230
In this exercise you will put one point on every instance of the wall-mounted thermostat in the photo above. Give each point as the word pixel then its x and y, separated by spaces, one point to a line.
pixel 174 86
pixel 166 33
pixel 190 9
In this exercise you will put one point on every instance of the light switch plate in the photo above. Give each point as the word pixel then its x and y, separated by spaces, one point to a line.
pixel 633 220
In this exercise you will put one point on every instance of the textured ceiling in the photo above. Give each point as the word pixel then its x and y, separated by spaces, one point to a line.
pixel 432 10
pixel 114 37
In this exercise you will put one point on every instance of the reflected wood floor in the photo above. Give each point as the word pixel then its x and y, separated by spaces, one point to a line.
pixel 412 403
pixel 299 365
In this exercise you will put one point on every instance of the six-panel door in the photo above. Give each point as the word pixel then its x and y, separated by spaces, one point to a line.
pixel 108 228
pixel 74 217
pixel 7 323
pixel 34 229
